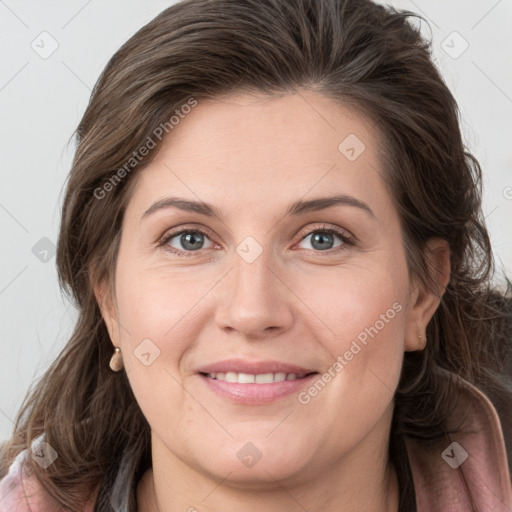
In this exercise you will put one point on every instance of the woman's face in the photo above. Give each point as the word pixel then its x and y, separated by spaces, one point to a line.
pixel 293 264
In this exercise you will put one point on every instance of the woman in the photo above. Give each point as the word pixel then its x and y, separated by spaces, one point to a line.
pixel 273 235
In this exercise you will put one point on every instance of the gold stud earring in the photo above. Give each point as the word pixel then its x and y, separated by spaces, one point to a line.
pixel 116 361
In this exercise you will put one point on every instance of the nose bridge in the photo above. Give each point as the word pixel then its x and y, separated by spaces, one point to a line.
pixel 254 300
pixel 253 280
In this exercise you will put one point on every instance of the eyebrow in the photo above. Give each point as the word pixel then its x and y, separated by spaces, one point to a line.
pixel 298 208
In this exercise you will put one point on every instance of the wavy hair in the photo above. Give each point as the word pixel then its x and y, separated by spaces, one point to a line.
pixel 353 51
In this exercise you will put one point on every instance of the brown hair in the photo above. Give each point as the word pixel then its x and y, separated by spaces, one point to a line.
pixel 353 51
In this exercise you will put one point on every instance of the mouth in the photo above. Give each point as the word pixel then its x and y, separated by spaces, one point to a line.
pixel 258 378
pixel 252 382
pixel 244 388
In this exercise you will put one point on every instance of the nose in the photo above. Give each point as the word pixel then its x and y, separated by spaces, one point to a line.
pixel 254 300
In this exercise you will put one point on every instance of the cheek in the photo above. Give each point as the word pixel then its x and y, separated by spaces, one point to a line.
pixel 154 307
pixel 153 342
pixel 362 314
pixel 360 303
pixel 158 304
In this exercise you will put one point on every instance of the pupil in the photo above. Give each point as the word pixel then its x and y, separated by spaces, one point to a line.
pixel 322 239
pixel 191 241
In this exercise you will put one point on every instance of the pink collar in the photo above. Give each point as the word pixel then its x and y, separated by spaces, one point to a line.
pixel 467 471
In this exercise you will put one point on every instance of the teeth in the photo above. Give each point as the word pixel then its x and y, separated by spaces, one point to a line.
pixel 249 378
pixel 231 377
pixel 263 378
pixel 246 378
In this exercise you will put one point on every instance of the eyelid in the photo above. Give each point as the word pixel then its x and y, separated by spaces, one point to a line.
pixel 177 231
pixel 172 232
pixel 345 236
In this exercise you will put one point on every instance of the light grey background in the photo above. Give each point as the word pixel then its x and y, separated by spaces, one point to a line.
pixel 42 100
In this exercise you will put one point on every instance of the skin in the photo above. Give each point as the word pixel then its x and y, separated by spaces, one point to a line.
pixel 251 156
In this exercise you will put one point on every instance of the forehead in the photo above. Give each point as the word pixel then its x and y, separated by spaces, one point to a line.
pixel 251 149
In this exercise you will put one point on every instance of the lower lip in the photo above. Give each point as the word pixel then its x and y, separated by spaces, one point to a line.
pixel 256 394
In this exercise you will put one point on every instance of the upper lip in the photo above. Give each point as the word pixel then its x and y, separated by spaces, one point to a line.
pixel 253 367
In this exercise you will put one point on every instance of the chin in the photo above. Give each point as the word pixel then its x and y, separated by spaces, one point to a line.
pixel 256 464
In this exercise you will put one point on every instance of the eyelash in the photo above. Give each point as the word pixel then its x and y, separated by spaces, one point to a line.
pixel 347 239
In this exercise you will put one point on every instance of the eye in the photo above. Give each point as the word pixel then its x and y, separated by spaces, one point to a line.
pixel 185 241
pixel 324 239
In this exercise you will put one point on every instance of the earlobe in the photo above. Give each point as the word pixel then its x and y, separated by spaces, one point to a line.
pixel 424 300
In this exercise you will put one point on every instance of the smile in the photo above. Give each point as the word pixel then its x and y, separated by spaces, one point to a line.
pixel 249 378
pixel 256 389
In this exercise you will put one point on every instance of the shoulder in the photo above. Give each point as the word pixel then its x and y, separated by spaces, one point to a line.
pixel 21 491
pixel 468 468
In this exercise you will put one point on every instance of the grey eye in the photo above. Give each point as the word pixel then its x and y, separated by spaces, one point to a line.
pixel 188 240
pixel 323 240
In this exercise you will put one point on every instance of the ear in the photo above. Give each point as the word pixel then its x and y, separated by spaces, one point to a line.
pixel 424 301
pixel 106 303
